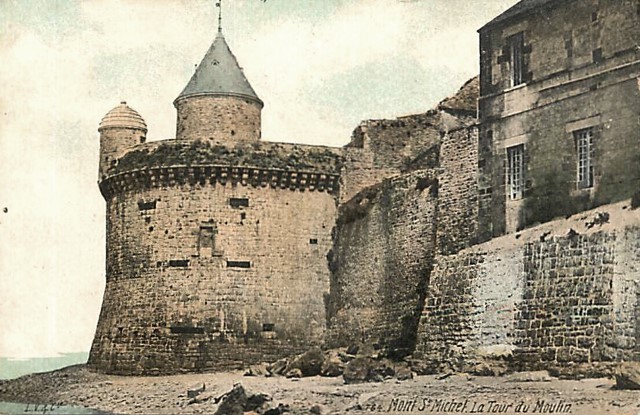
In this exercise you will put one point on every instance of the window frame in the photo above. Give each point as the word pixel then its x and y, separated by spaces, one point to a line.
pixel 515 172
pixel 515 44
pixel 585 154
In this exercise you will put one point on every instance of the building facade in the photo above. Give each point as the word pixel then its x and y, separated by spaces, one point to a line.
pixel 559 108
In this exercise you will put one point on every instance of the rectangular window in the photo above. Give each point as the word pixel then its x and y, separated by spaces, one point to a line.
pixel 179 263
pixel 142 205
pixel 237 202
pixel 268 326
pixel 516 57
pixel 584 149
pixel 206 240
pixel 238 264
pixel 186 330
pixel 515 172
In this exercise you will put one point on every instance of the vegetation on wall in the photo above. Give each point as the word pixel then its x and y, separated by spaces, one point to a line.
pixel 259 155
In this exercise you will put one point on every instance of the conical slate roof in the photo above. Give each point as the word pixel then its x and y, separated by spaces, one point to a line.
pixel 219 74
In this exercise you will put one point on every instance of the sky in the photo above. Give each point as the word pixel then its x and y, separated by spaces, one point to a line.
pixel 320 66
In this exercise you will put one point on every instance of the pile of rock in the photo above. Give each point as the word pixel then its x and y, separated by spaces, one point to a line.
pixel 355 364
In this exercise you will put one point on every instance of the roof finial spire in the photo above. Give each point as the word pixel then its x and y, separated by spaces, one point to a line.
pixel 219 6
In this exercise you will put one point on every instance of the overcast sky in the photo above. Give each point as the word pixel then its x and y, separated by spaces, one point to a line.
pixel 320 66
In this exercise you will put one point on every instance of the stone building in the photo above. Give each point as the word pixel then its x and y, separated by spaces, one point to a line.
pixel 559 106
pixel 445 236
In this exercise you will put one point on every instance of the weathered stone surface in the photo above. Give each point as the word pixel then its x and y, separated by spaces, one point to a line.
pixel 238 401
pixel 333 364
pixel 308 363
pixel 386 233
pixel 357 371
pixel 201 249
pixel 628 375
pixel 571 305
pixel 196 390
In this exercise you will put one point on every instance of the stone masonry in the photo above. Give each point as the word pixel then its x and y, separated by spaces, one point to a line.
pixel 465 236
pixel 382 252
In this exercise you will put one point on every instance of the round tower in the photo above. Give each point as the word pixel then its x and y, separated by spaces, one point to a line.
pixel 120 129
pixel 218 104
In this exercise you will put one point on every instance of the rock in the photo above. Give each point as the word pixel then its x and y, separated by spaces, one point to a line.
pixel 357 371
pixel 279 367
pixel 489 368
pixel 316 409
pixel 309 363
pixel 278 410
pixel 366 369
pixel 333 366
pixel 238 401
pixel 293 373
pixel 257 370
pixel 538 376
pixel 403 371
pixel 353 349
pixel 195 390
pixel 628 376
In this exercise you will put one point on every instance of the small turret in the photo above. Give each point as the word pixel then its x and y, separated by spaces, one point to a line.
pixel 120 129
pixel 218 104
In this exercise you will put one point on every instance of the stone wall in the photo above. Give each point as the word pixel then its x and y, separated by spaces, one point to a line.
pixel 458 191
pixel 539 301
pixel 219 119
pixel 382 252
pixel 211 270
pixel 385 148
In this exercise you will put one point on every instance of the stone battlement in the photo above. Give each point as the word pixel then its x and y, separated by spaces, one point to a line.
pixel 216 174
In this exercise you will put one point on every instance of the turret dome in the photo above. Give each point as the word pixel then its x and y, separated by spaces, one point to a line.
pixel 123 116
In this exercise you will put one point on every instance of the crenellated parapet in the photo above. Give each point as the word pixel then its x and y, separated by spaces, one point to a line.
pixel 275 165
pixel 137 180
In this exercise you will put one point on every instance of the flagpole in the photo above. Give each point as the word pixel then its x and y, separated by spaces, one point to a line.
pixel 219 6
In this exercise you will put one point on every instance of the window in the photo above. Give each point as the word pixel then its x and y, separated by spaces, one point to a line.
pixel 237 202
pixel 142 205
pixel 186 330
pixel 515 172
pixel 597 55
pixel 584 148
pixel 207 240
pixel 179 263
pixel 516 57
pixel 238 264
pixel 268 327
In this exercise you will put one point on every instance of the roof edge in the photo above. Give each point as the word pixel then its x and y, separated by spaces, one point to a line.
pixel 518 10
pixel 219 94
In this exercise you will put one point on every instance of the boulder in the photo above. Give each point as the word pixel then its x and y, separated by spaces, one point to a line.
pixel 309 363
pixel 403 371
pixel 279 367
pixel 238 401
pixel 333 365
pixel 357 370
pixel 257 370
pixel 628 376
pixel 194 391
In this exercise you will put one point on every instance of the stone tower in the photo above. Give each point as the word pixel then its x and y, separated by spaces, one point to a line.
pixel 218 103
pixel 120 130
pixel 205 268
